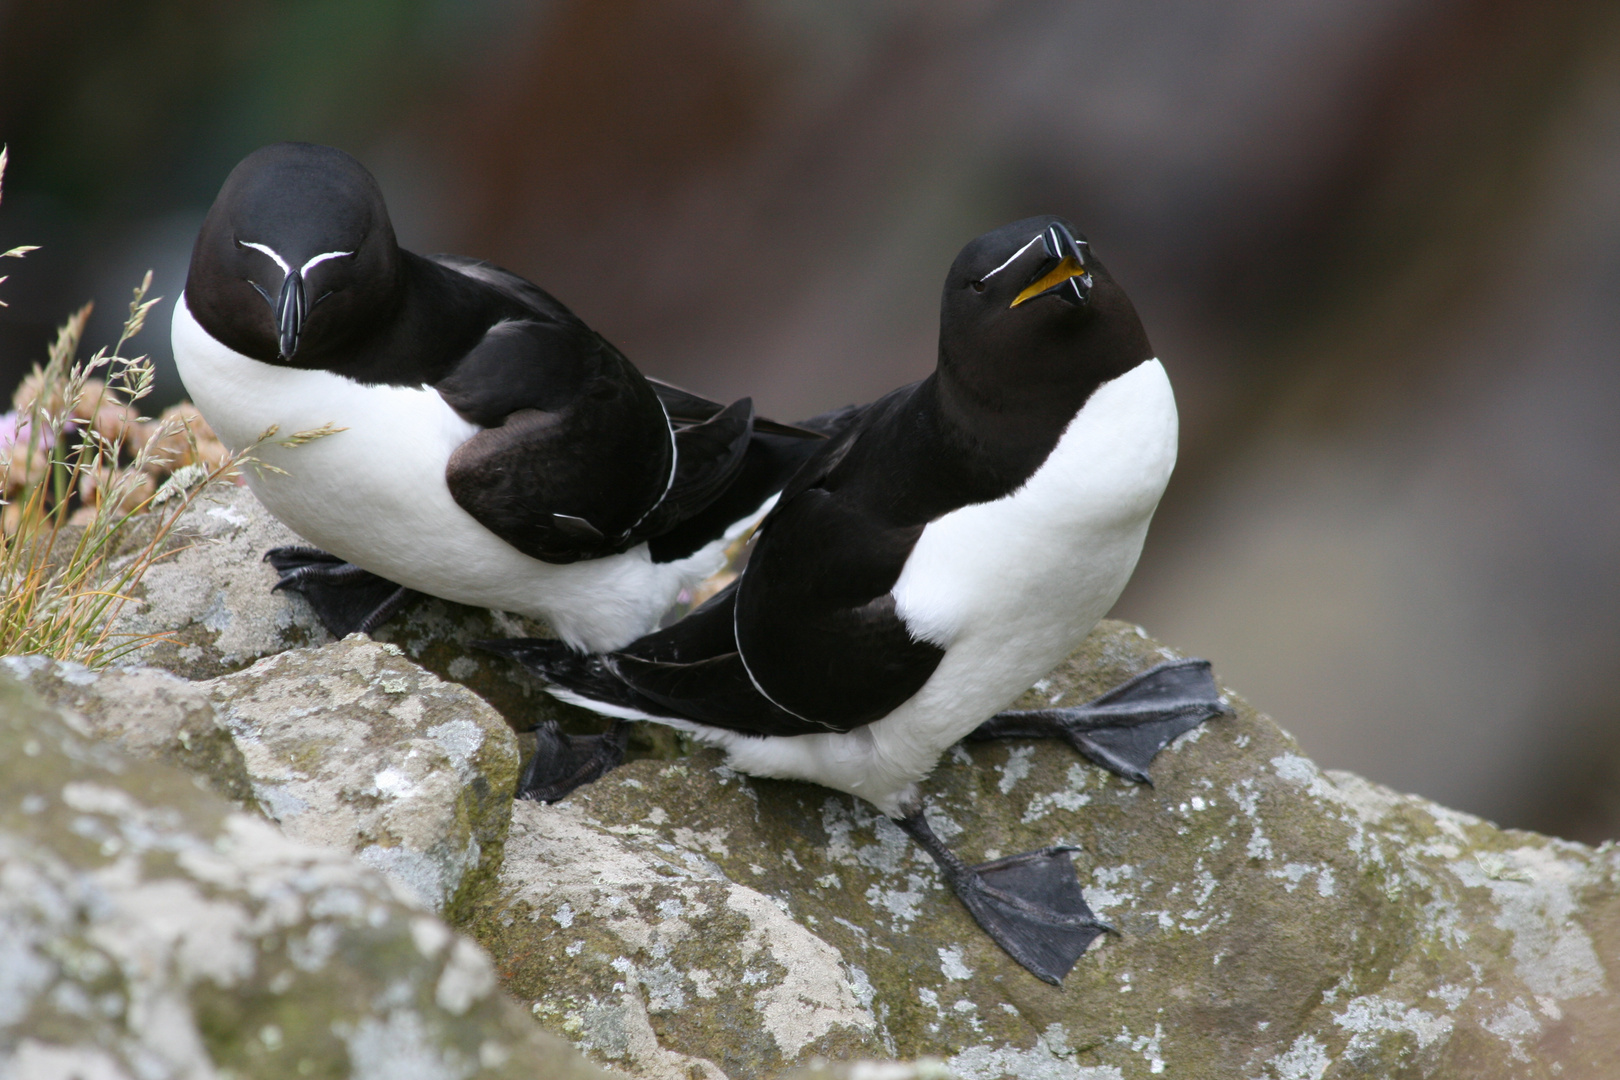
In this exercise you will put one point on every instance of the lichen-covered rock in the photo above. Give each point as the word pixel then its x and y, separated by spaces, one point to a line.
pixel 352 746
pixel 648 954
pixel 1274 921
pixel 863 1069
pixel 148 929
pixel 439 635
pixel 208 608
pixel 147 712
pixel 210 611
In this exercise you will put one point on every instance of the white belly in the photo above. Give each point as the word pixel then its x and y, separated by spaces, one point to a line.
pixel 375 495
pixel 1008 588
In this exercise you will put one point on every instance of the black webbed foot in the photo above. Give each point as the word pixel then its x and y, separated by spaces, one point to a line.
pixel 1124 729
pixel 562 762
pixel 1031 905
pixel 345 598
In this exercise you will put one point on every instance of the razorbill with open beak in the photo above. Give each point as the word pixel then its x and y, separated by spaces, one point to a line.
pixel 927 565
pixel 446 427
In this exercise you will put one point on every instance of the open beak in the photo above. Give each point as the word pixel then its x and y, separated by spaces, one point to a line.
pixel 291 309
pixel 1063 273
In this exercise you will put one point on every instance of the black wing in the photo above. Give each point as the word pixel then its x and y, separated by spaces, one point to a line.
pixel 775 453
pixel 575 448
pixel 515 289
pixel 575 459
pixel 824 647
pixel 816 619
pixel 685 407
pixel 812 613
pixel 815 622
pixel 808 640
pixel 690 671
pixel 708 458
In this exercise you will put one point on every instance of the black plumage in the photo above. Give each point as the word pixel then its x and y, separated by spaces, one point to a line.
pixel 576 455
pixel 805 666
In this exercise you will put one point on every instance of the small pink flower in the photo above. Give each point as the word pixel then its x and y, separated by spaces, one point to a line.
pixel 11 429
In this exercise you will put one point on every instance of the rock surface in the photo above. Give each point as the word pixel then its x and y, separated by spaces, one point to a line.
pixel 349 746
pixel 677 919
pixel 210 611
pixel 209 608
pixel 353 747
pixel 148 929
pixel 147 712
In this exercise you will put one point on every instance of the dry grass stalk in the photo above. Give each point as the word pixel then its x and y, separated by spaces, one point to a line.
pixel 79 463
pixel 84 464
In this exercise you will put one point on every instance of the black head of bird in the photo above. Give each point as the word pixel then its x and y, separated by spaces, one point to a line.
pixel 1029 312
pixel 297 257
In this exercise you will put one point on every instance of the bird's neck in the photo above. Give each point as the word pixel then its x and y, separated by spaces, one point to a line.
pixel 1008 427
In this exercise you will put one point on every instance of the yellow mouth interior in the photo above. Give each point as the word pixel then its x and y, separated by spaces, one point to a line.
pixel 1063 271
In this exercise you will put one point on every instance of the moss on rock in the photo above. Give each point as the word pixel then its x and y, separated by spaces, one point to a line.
pixel 147 712
pixel 1274 920
pixel 147 928
pixel 353 746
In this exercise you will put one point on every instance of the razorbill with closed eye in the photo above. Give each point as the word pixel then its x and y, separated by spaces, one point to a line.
pixel 927 565
pixel 442 426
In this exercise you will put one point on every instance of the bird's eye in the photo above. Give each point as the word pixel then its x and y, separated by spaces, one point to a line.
pixel 978 286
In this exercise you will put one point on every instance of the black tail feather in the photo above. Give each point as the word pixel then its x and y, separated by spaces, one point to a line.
pixel 708 458
pixel 587 674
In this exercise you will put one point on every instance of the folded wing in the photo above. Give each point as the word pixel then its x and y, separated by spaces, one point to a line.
pixel 807 641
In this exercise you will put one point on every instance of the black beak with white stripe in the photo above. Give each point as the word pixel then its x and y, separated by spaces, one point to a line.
pixel 939 555
pixel 291 307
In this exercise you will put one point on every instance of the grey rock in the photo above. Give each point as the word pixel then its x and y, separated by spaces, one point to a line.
pixel 148 929
pixel 149 713
pixel 208 611
pixel 921 1069
pixel 348 745
pixel 352 746
pixel 1276 921
pixel 664 964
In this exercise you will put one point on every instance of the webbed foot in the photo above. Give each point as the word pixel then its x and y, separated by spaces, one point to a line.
pixel 345 598
pixel 1031 905
pixel 1124 729
pixel 563 762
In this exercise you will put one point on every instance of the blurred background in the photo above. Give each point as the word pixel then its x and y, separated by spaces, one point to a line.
pixel 1376 242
